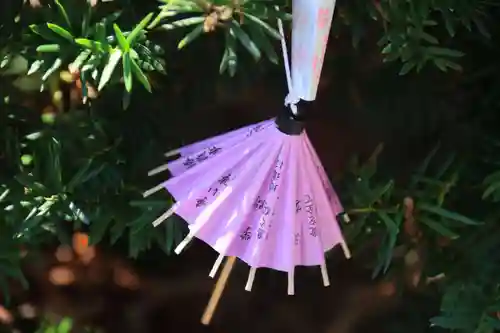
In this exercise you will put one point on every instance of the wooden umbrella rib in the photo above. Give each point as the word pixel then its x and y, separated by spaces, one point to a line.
pixel 218 290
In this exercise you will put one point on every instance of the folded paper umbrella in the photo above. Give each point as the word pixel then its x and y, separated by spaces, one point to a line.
pixel 259 193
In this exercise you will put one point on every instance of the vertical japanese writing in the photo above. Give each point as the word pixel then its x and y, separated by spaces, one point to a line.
pixel 262 206
pixel 298 206
pixel 214 150
pixel 214 191
pixel 311 219
pixel 201 202
pixel 254 129
pixel 201 157
pixel 246 235
pixel 222 181
pixel 189 162
pixel 297 239
pixel 261 231
pixel 276 174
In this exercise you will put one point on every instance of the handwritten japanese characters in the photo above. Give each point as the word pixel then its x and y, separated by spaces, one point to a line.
pixel 214 190
pixel 246 235
pixel 297 239
pixel 307 204
pixel 276 174
pixel 192 161
pixel 262 206
pixel 311 216
pixel 201 202
pixel 254 129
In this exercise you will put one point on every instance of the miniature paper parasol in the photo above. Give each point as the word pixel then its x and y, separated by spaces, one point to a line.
pixel 260 193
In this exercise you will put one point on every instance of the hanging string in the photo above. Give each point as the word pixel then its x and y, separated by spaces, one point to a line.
pixel 291 99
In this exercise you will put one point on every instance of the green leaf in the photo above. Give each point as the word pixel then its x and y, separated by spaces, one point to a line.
pixel 387 49
pixel 35 66
pixel 126 100
pixel 30 182
pixel 242 36
pixel 224 61
pixel 266 27
pixel 407 67
pixel 481 27
pixel 448 21
pixel 77 178
pixel 139 74
pixel 60 31
pixel 438 227
pixel 55 66
pixel 441 51
pixel 440 65
pixel 44 31
pixel 447 63
pixel 90 44
pixel 122 42
pixel 452 322
pixel 127 71
pixel 492 178
pixel 263 42
pixel 422 169
pixel 183 23
pixel 94 173
pixel 117 230
pixel 108 70
pixel 63 12
pixel 86 21
pixel 230 59
pixel 392 226
pixel 80 59
pixel 100 32
pixel 428 38
pixel 490 190
pixel 192 35
pixel 53 177
pixel 49 48
pixel 447 214
pixel 139 28
pixel 98 229
pixel 65 325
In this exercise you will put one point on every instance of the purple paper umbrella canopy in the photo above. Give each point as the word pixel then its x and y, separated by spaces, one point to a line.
pixel 257 194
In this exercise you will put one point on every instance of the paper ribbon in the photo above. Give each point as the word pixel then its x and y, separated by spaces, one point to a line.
pixel 311 25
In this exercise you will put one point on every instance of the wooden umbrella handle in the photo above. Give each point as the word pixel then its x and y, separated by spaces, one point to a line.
pixel 218 290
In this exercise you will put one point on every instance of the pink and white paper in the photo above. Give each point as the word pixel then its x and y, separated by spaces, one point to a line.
pixel 263 196
pixel 312 20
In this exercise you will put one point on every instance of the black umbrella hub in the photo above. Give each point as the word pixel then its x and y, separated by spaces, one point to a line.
pixel 291 123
